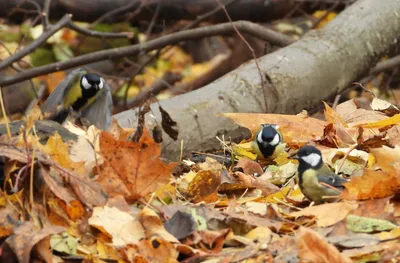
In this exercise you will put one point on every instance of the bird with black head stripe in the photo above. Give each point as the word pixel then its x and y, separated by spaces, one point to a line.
pixel 86 95
pixel 268 142
pixel 314 176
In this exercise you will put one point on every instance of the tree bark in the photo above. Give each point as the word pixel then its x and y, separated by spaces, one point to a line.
pixel 89 11
pixel 317 66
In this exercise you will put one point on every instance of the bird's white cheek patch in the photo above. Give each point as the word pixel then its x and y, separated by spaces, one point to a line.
pixel 85 83
pixel 275 141
pixel 101 85
pixel 259 138
pixel 312 159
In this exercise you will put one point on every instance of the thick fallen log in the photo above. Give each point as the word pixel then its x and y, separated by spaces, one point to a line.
pixel 317 66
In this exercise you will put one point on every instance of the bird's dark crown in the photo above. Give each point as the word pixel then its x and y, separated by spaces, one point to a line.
pixel 268 133
pixel 92 78
pixel 309 157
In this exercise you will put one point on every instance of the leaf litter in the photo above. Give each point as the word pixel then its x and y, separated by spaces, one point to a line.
pixel 106 198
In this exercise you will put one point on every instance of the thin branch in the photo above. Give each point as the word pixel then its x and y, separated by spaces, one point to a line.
pixel 116 11
pixel 93 33
pixel 208 14
pixel 221 29
pixel 389 64
pixel 262 80
pixel 153 20
pixel 46 14
pixel 35 43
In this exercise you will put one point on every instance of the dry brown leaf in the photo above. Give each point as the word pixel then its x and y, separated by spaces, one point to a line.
pixel 250 181
pixel 203 187
pixel 207 240
pixel 332 116
pixel 249 167
pixel 314 248
pixel 26 236
pixel 56 186
pixel 327 214
pixel 394 135
pixel 372 184
pixel 158 250
pixel 57 149
pixel 296 129
pixel 121 226
pixel 380 183
pixel 153 226
pixel 132 169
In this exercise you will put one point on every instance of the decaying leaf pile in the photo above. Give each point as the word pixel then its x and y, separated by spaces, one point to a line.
pixel 106 199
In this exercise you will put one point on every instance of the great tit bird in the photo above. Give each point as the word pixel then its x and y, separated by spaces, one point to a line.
pixel 86 95
pixel 268 142
pixel 312 172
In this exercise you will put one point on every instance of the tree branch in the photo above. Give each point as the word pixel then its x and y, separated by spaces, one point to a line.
pixel 36 43
pixel 221 29
pixel 389 64
pixel 93 33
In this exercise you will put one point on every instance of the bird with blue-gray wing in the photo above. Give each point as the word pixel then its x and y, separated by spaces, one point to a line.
pixel 317 182
pixel 84 95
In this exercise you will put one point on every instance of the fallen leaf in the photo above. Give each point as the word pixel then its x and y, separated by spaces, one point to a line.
pixel 249 181
pixel 56 185
pixel 26 236
pixel 313 248
pixel 354 240
pixel 203 187
pixel 64 243
pixel 121 226
pixel 207 240
pixel 332 116
pixel 75 210
pixel 248 166
pixel 180 225
pixel 372 184
pixel 367 225
pixel 383 123
pixel 153 226
pixel 158 250
pixel 135 165
pixel 327 214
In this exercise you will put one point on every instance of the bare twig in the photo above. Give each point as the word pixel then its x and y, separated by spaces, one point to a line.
pixel 46 14
pixel 93 33
pixel 389 64
pixel 252 52
pixel 221 29
pixel 153 20
pixel 116 11
pixel 35 43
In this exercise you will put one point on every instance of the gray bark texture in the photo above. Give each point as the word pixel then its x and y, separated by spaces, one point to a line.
pixel 319 65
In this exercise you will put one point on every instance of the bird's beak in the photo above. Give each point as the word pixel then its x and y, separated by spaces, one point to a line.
pixel 295 157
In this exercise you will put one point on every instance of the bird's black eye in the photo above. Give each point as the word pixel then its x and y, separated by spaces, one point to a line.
pixel 332 179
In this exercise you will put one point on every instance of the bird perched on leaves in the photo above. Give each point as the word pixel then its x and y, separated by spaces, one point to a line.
pixel 268 142
pixel 314 176
pixel 83 94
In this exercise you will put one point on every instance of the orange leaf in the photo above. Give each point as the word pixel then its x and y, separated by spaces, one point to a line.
pixel 75 210
pixel 314 248
pixel 372 184
pixel 135 167
pixel 333 117
pixel 327 214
